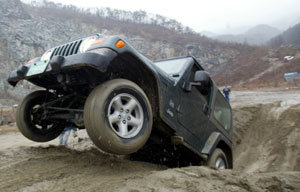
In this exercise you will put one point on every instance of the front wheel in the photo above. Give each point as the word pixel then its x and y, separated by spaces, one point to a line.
pixel 218 159
pixel 31 118
pixel 118 117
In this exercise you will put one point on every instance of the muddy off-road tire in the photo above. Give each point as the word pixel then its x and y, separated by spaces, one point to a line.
pixel 118 117
pixel 218 159
pixel 28 117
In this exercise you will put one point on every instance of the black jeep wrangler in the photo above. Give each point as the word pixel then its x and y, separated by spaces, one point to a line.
pixel 165 111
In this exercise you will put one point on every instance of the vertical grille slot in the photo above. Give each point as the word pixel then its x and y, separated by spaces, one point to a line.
pixel 53 53
pixel 61 50
pixel 73 48
pixel 65 50
pixel 57 51
pixel 77 47
pixel 68 52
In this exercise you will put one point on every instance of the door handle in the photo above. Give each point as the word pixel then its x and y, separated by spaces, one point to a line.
pixel 206 109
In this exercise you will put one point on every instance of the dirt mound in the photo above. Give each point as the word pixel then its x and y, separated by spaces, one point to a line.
pixel 54 168
pixel 206 179
pixel 266 157
pixel 266 138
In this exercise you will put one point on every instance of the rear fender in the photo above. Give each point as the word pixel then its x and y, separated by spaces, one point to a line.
pixel 217 140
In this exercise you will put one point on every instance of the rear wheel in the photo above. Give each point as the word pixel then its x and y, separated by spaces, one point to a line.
pixel 218 159
pixel 31 119
pixel 118 116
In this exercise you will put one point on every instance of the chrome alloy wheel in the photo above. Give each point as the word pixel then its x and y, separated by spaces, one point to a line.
pixel 220 163
pixel 125 115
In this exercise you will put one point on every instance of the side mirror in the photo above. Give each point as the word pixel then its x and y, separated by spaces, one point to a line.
pixel 201 79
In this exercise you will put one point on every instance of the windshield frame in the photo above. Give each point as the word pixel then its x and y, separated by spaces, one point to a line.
pixel 175 76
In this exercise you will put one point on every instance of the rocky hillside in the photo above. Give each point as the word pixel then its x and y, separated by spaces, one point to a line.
pixel 27 31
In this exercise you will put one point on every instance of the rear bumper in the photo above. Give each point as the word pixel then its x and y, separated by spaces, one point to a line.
pixel 98 58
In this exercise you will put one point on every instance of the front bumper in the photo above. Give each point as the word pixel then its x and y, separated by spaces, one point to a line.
pixel 97 58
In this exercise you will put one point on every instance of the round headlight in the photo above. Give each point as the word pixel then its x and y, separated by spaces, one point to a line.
pixel 87 43
pixel 46 55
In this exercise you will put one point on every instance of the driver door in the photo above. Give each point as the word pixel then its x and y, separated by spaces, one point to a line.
pixel 193 113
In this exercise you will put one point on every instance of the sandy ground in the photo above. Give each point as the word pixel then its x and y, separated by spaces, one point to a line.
pixel 266 157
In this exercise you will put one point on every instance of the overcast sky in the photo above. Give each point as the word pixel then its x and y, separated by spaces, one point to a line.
pixel 218 16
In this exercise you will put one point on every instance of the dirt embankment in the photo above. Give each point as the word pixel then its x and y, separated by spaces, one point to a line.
pixel 267 138
pixel 266 131
pixel 266 157
pixel 52 168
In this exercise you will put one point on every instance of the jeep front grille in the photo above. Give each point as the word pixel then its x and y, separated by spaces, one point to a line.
pixel 67 49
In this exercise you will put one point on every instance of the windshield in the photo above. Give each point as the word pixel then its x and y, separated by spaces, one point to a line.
pixel 173 67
